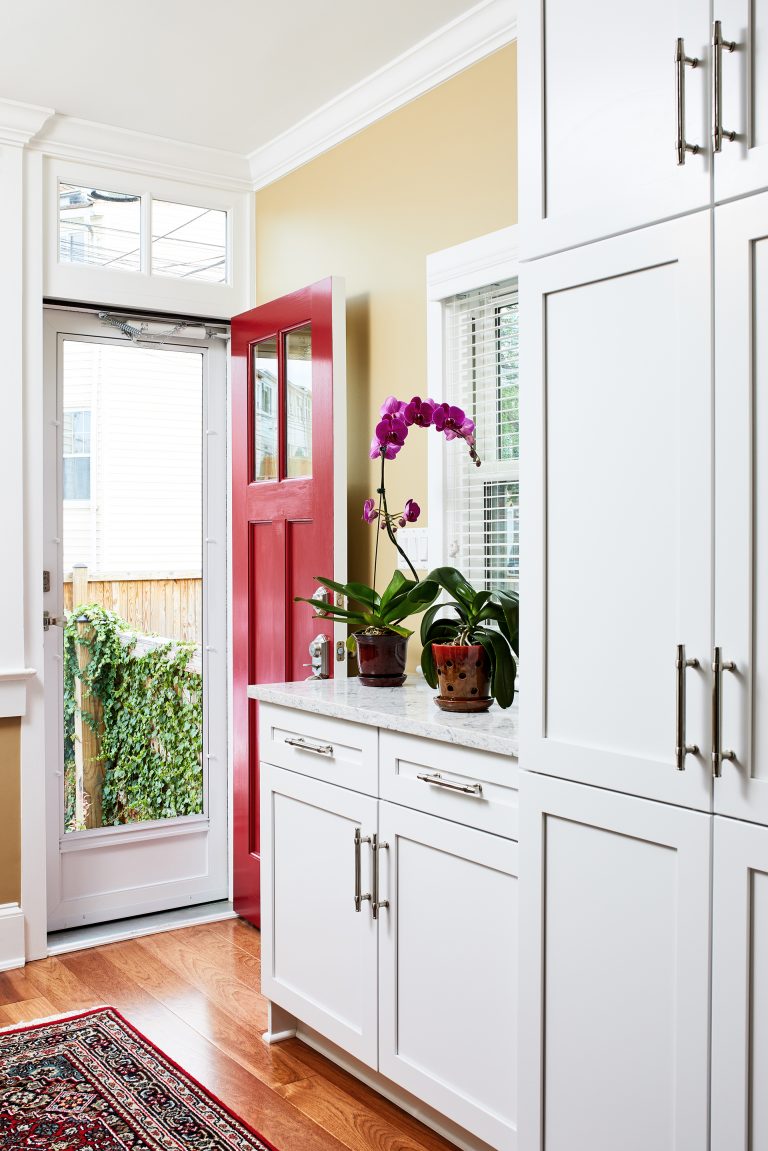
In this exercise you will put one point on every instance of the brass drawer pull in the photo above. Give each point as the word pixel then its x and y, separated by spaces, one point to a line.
pixel 317 748
pixel 475 789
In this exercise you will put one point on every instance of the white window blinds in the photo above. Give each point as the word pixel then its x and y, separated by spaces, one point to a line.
pixel 481 376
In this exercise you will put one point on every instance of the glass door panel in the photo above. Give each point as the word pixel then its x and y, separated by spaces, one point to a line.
pixel 132 515
pixel 264 373
pixel 298 401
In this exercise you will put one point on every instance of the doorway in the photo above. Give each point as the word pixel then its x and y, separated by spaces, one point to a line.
pixel 136 629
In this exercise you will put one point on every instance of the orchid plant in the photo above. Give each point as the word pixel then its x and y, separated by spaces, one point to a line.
pixel 397 418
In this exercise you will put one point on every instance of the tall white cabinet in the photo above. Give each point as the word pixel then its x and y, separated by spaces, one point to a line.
pixel 644 826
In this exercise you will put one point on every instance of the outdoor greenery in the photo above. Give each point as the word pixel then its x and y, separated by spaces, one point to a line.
pixel 152 714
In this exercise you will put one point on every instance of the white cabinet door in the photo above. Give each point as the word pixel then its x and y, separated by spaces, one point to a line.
pixel 740 988
pixel 614 974
pixel 318 952
pixel 448 970
pixel 618 527
pixel 741 453
pixel 598 118
pixel 742 165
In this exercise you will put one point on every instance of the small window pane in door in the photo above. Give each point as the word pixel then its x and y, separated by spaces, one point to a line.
pixel 99 227
pixel 189 243
pixel 265 409
pixel 298 401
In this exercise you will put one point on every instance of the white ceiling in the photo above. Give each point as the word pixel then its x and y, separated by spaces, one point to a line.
pixel 231 75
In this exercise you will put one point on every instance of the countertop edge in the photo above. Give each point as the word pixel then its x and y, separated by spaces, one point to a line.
pixel 462 736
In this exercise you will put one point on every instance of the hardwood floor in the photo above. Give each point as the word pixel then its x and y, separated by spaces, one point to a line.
pixel 195 993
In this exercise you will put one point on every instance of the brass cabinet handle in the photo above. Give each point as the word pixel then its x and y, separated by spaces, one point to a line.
pixel 436 778
pixel 718 43
pixel 719 665
pixel 376 903
pixel 681 63
pixel 359 897
pixel 681 748
pixel 317 748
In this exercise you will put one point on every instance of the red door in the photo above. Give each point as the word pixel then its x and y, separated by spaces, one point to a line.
pixel 288 518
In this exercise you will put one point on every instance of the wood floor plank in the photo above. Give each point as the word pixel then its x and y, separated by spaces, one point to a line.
pixel 240 1040
pixel 225 990
pixel 194 992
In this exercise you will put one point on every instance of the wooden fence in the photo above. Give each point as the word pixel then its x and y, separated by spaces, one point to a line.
pixel 170 607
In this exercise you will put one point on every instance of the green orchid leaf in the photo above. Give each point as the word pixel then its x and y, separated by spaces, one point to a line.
pixel 502 665
pixel 510 605
pixel 359 592
pixel 398 584
pixel 479 600
pixel 428 665
pixel 454 583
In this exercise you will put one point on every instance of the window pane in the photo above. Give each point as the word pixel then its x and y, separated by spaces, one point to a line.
pixel 99 227
pixel 190 243
pixel 502 535
pixel 264 376
pixel 508 394
pixel 298 375
pixel 77 433
pixel 77 478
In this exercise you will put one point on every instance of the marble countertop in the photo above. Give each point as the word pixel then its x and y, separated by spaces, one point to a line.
pixel 410 708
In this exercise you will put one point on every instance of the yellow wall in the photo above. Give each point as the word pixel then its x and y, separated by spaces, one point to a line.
pixel 10 832
pixel 441 170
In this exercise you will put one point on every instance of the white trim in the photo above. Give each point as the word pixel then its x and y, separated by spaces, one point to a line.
pixel 20 122
pixel 80 938
pixel 11 936
pixel 475 34
pixel 462 268
pixel 13 691
pixel 99 145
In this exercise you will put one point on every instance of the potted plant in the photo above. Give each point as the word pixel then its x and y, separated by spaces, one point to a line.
pixel 380 639
pixel 379 636
pixel 470 654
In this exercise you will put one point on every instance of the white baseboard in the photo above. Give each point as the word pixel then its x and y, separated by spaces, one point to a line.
pixel 11 936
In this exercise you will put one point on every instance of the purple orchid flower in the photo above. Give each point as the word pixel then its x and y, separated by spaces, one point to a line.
pixel 453 423
pixel 419 412
pixel 392 407
pixel 369 511
pixel 411 513
pixel 390 435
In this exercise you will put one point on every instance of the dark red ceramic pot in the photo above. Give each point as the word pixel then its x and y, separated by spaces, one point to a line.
pixel 463 677
pixel 381 659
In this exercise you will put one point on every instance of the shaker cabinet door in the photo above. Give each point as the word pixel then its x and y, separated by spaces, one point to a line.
pixel 742 164
pixel 740 987
pixel 614 972
pixel 618 527
pixel 318 952
pixel 741 473
pixel 598 123
pixel 448 970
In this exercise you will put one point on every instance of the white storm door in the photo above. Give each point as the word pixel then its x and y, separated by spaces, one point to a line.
pixel 741 470
pixel 597 125
pixel 740 987
pixel 617 534
pixel 135 533
pixel 742 165
pixel 318 946
pixel 614 973
pixel 448 944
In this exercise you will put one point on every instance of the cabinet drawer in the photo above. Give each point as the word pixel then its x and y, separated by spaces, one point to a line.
pixel 334 750
pixel 490 801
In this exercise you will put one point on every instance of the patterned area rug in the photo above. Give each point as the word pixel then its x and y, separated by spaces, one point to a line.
pixel 91 1082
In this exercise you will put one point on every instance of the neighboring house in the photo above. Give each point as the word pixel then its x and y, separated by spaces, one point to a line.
pixel 132 472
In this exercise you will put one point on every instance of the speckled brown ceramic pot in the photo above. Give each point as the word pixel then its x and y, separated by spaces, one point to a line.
pixel 463 677
pixel 381 659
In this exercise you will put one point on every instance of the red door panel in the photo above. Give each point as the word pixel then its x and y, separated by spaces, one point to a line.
pixel 282 523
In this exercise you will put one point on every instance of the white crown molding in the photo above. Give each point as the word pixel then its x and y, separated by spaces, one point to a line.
pixel 473 264
pixel 20 122
pixel 87 142
pixel 479 32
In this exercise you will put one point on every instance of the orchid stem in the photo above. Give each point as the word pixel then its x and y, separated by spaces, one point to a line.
pixel 390 533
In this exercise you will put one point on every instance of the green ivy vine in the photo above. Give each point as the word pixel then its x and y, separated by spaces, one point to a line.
pixel 152 740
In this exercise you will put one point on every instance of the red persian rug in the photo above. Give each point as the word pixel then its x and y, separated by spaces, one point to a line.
pixel 91 1082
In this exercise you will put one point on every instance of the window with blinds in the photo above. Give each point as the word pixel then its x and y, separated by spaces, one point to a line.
pixel 481 376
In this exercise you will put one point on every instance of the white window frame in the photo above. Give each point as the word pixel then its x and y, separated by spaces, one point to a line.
pixel 463 268
pixel 119 287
